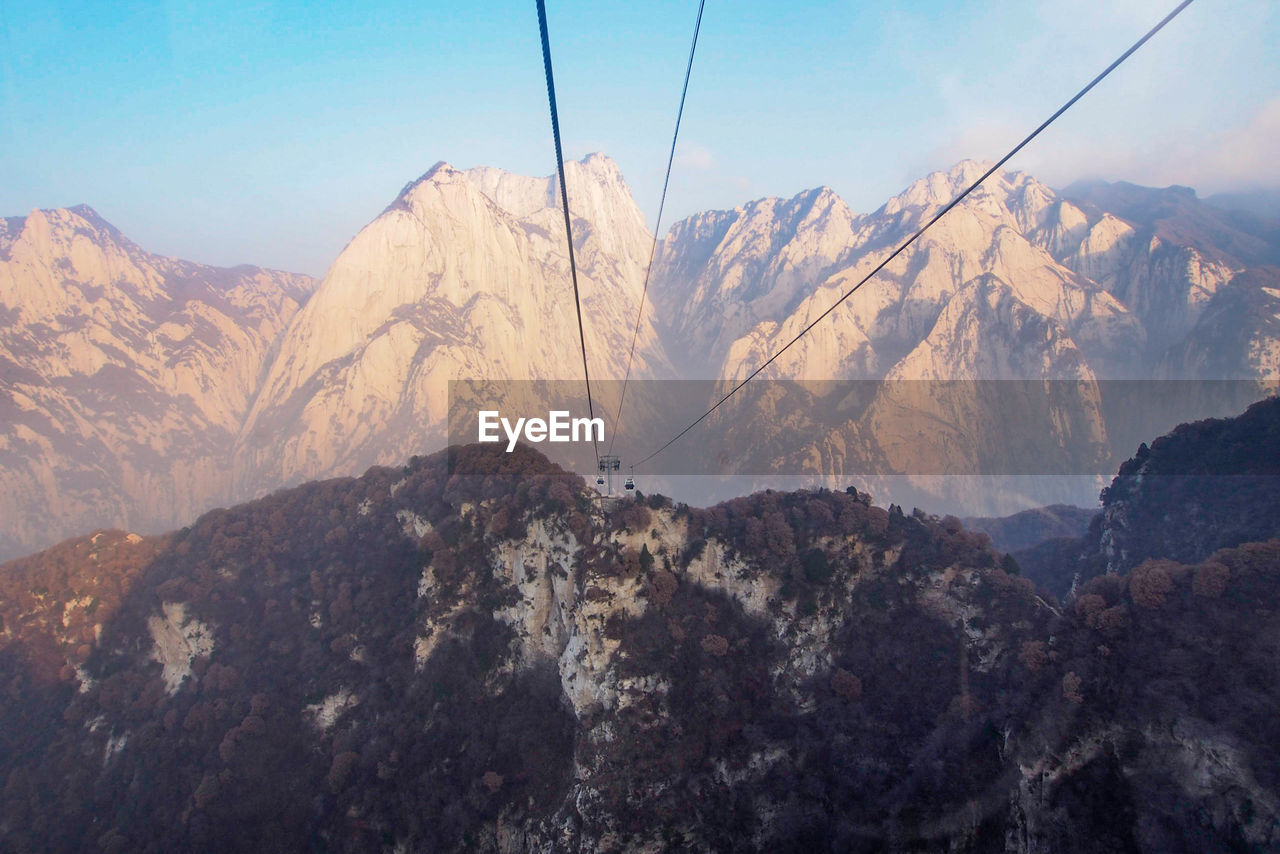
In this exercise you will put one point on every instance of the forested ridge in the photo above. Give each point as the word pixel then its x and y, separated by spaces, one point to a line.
pixel 424 661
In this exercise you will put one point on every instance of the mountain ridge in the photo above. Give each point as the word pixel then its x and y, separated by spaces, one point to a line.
pixel 501 662
pixel 125 374
pixel 464 275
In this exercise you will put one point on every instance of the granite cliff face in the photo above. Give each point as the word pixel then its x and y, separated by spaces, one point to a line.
pixel 1125 272
pixel 1006 229
pixel 124 376
pixel 416 661
pixel 141 390
pixel 465 276
pixel 721 273
pixel 1090 285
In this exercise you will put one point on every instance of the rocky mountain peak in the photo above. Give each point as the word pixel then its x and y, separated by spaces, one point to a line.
pixel 466 275
pixel 936 188
pixel 59 260
pixel 126 363
pixel 70 221
pixel 441 169
pixel 441 188
pixel 601 164
pixel 503 663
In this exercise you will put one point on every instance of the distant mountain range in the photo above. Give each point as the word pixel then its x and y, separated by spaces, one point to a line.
pixel 138 390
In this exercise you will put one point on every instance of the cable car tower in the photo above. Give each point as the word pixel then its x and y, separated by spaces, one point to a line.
pixel 607 465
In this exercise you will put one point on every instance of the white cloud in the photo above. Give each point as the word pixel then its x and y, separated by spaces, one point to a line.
pixel 1239 157
pixel 694 157
pixel 1212 160
pixel 1180 112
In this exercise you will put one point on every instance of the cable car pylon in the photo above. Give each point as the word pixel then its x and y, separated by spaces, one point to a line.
pixel 607 465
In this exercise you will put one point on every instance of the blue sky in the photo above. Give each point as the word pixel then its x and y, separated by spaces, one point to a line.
pixel 271 132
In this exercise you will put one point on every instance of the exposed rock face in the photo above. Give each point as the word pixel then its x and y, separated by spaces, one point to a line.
pixel 465 276
pixel 425 662
pixel 140 390
pixel 1099 283
pixel 137 391
pixel 124 376
pixel 1237 334
pixel 178 642
pixel 721 273
pixel 1126 272
pixel 1165 254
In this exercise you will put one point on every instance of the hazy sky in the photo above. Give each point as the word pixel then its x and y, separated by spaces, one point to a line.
pixel 271 132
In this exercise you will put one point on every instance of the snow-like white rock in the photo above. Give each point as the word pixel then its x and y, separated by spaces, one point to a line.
pixel 178 640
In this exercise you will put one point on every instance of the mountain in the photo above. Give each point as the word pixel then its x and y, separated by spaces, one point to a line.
pixel 1111 290
pixel 720 273
pixel 1177 215
pixel 142 390
pixel 1044 542
pixel 993 233
pixel 1250 206
pixel 464 276
pixel 1204 486
pixel 124 376
pixel 1173 255
pixel 1169 500
pixel 1028 528
pixel 1238 332
pixel 415 660
pixel 1125 271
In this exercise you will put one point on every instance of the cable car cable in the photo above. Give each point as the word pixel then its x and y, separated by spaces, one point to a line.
pixel 657 226
pixel 1112 67
pixel 564 199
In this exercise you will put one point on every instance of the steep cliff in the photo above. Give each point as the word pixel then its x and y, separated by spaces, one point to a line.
pixel 124 376
pixel 421 662
pixel 464 277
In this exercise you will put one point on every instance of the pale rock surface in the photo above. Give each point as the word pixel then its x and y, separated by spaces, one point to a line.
pixel 178 640
pixel 924 420
pixel 125 376
pixel 138 391
pixel 721 273
pixel 464 277
pixel 997 230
